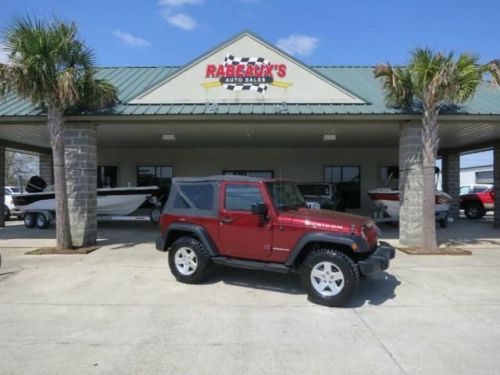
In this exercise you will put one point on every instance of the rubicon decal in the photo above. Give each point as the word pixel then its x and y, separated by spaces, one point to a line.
pixel 246 73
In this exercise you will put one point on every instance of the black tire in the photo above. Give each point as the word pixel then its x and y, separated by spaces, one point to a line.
pixel 201 258
pixel 42 221
pixel 340 262
pixel 474 210
pixel 29 219
pixel 6 213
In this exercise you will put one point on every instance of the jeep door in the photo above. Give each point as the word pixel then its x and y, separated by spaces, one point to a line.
pixel 241 233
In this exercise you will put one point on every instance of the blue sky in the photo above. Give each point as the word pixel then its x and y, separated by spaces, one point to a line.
pixel 321 32
pixel 318 32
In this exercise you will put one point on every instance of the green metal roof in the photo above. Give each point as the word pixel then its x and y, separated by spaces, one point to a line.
pixel 132 81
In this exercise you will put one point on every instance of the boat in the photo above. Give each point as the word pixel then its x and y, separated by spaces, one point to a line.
pixel 120 201
pixel 387 203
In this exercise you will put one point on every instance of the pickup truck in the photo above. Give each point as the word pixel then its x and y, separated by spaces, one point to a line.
pixel 264 224
pixel 476 200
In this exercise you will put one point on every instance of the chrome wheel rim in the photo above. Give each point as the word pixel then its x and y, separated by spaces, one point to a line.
pixel 473 211
pixel 40 220
pixel 327 279
pixel 28 219
pixel 186 261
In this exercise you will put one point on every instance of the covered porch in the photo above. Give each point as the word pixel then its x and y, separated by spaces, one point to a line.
pixel 300 148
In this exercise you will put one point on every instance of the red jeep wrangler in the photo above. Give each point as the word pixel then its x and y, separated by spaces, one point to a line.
pixel 264 224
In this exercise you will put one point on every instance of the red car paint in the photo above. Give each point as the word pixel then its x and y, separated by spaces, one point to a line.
pixel 241 234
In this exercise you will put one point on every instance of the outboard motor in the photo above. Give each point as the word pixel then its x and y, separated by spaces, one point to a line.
pixel 36 184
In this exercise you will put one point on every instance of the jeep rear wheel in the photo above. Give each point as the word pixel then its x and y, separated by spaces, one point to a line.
pixel 474 210
pixel 188 260
pixel 329 277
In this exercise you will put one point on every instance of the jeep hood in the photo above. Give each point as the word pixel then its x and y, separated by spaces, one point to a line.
pixel 323 219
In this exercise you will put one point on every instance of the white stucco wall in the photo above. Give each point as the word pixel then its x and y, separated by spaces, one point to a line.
pixel 468 175
pixel 301 164
pixel 306 85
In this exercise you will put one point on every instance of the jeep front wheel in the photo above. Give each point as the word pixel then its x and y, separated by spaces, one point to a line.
pixel 188 260
pixel 329 277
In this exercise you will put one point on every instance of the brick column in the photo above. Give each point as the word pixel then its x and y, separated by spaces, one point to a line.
pixel 451 181
pixel 46 168
pixel 2 184
pixel 81 173
pixel 496 183
pixel 410 184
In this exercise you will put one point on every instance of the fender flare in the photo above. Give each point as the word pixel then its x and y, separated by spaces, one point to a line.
pixel 195 229
pixel 334 239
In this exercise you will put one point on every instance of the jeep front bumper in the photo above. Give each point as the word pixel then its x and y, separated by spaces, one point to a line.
pixel 378 261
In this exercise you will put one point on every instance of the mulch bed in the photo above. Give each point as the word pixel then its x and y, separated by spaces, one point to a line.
pixel 53 250
pixel 435 251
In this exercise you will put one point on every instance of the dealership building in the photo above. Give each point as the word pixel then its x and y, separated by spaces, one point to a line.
pixel 247 107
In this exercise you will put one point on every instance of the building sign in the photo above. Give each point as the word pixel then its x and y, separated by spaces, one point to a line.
pixel 246 73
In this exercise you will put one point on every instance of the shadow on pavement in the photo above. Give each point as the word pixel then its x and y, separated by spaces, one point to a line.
pixel 15 229
pixel 374 290
pixel 121 234
pixel 461 232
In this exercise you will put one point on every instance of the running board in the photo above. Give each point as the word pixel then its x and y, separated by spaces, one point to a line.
pixel 251 264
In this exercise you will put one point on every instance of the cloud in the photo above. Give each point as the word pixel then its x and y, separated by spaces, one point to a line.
pixel 297 44
pixel 4 57
pixel 180 20
pixel 179 3
pixel 130 39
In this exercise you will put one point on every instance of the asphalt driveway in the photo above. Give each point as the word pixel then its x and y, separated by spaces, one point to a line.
pixel 118 310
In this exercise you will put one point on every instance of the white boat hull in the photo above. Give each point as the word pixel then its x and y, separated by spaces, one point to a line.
pixel 116 202
pixel 387 203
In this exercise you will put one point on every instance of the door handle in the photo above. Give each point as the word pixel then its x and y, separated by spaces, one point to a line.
pixel 226 220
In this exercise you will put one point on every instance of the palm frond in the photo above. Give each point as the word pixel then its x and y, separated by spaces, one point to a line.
pixel 397 84
pixel 47 62
pixel 493 68
pixel 94 93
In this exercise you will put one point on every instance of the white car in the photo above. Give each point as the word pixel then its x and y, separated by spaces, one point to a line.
pixel 9 208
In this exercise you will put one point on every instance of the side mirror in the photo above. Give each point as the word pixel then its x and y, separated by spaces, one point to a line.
pixel 259 209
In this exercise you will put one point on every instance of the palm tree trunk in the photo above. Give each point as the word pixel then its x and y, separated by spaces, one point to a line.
pixel 55 121
pixel 429 145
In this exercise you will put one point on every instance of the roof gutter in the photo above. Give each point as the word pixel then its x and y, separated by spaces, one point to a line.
pixel 249 117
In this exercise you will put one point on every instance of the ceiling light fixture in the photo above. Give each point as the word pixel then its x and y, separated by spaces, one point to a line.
pixel 329 137
pixel 168 137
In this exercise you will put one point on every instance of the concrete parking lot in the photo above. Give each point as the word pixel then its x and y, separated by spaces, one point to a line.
pixel 118 310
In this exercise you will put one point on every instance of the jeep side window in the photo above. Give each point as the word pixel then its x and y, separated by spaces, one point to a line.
pixel 199 195
pixel 241 197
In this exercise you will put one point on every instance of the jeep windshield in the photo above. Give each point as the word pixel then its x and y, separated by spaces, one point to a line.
pixel 285 195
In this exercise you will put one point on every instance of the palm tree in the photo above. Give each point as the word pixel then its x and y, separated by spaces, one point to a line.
pixel 429 82
pixel 52 68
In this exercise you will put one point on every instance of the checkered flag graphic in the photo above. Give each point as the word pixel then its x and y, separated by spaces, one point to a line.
pixel 234 60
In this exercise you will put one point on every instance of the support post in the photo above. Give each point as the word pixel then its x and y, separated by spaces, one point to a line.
pixel 451 181
pixel 496 184
pixel 46 168
pixel 2 185
pixel 81 177
pixel 410 184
